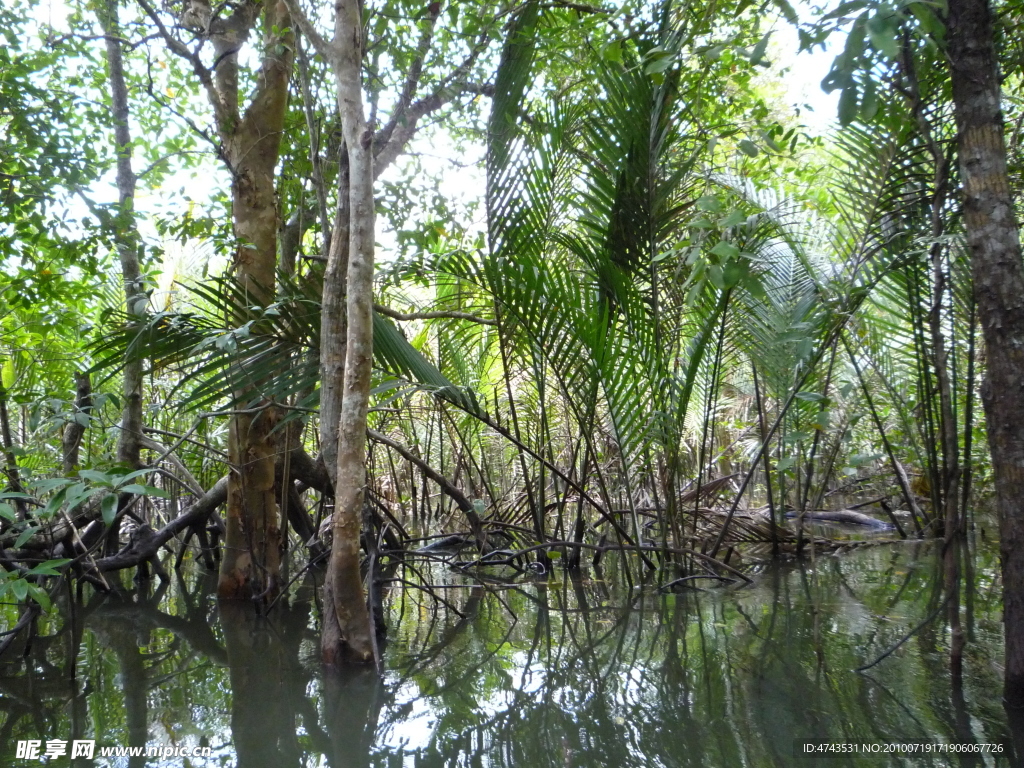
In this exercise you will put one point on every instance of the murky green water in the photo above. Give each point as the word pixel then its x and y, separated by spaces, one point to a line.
pixel 549 673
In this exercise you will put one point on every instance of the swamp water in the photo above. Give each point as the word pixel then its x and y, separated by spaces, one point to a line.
pixel 554 672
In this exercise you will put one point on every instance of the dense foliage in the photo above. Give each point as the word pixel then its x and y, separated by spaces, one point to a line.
pixel 624 299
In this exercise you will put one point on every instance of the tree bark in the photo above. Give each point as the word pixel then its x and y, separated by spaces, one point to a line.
pixel 347 309
pixel 353 637
pixel 334 328
pixel 994 241
pixel 73 432
pixel 126 238
pixel 252 142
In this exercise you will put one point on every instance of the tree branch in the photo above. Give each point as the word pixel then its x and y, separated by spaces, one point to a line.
pixel 446 485
pixel 391 140
pixel 412 78
pixel 393 313
pixel 326 49
pixel 146 542
pixel 180 49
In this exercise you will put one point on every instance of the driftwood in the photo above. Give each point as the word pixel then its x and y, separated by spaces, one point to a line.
pixel 145 542
pixel 846 516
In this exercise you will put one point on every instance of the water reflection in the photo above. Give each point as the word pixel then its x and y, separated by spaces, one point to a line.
pixel 564 672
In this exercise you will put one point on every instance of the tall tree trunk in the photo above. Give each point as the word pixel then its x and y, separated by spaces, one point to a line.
pixel 994 242
pixel 253 541
pixel 129 441
pixel 347 319
pixel 334 328
pixel 350 638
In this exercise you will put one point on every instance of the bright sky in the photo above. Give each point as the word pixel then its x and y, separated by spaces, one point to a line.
pixel 804 76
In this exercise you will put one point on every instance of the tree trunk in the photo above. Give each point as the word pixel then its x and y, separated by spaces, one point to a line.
pixel 253 542
pixel 334 329
pixel 73 432
pixel 351 637
pixel 129 441
pixel 994 242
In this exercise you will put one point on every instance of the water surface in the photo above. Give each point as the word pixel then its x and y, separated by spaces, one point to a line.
pixel 590 671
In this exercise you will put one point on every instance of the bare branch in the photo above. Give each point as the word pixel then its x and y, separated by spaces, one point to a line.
pixel 412 78
pixel 388 146
pixel 446 485
pixel 218 148
pixel 431 315
pixel 146 542
pixel 180 49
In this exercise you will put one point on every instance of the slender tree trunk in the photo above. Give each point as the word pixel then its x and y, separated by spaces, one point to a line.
pixel 994 241
pixel 73 432
pixel 351 637
pixel 129 441
pixel 334 328
pixel 253 541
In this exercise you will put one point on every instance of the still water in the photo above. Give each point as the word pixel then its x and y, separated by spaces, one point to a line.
pixel 550 672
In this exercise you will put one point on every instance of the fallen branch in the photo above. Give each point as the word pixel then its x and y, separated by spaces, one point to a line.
pixel 446 485
pixel 517 553
pixel 146 542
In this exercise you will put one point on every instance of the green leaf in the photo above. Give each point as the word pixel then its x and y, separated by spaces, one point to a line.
pixel 108 508
pixel 770 141
pixel 844 9
pixel 132 475
pixel 758 53
pixel 7 512
pixel 837 77
pixel 76 494
pixel 144 490
pixel 49 484
pixel 709 203
pixel 658 66
pixel 848 104
pixel 612 52
pixel 788 11
pixel 884 35
pixel 869 104
pixel 25 535
pixel 754 286
pixel 54 504
pixel 716 276
pixel 49 568
pixel 747 147
pixel 20 589
pixel 95 476
pixel 735 218
pixel 733 272
pixel 39 595
pixel 812 397
pixel 854 49
pixel 726 250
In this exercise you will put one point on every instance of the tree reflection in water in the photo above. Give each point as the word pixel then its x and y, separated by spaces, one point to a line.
pixel 571 671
